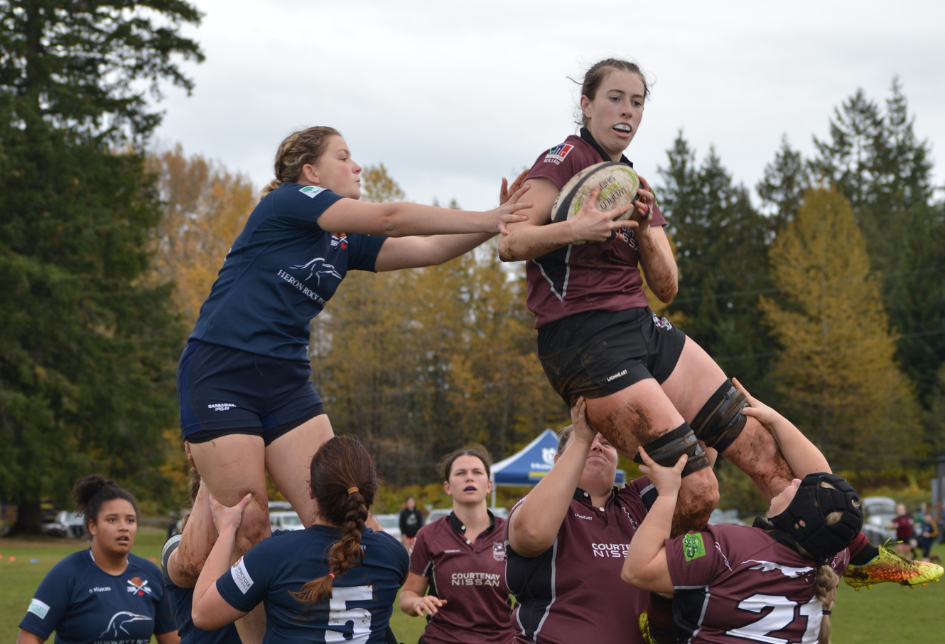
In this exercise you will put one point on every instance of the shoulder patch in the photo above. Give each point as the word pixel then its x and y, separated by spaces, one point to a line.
pixel 311 191
pixel 693 546
pixel 38 608
pixel 557 154
pixel 241 576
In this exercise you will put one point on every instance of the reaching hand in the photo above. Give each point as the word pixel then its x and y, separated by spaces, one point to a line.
pixel 757 409
pixel 583 432
pixel 498 219
pixel 643 208
pixel 592 225
pixel 666 479
pixel 427 603
pixel 228 518
pixel 505 193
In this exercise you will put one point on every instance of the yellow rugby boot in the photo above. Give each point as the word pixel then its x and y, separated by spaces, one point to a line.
pixel 889 565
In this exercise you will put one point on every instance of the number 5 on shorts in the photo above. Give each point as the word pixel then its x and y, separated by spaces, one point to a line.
pixel 358 619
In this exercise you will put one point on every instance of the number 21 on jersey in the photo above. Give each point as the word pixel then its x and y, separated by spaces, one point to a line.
pixel 778 619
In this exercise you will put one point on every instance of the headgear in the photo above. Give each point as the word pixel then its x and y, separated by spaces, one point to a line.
pixel 805 519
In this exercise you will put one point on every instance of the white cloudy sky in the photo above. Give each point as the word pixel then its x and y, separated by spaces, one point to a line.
pixel 452 96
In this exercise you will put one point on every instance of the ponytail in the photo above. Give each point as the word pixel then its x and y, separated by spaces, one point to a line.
pixel 344 482
pixel 825 588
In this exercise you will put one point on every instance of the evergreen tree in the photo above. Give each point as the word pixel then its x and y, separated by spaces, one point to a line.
pixel 784 182
pixel 87 345
pixel 837 373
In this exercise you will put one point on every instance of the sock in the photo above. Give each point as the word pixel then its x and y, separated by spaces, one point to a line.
pixel 861 552
pixel 660 616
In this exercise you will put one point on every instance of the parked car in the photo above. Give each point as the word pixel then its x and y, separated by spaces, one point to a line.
pixel 280 506
pixel 285 521
pixel 877 512
pixel 725 517
pixel 390 523
pixel 439 513
pixel 65 524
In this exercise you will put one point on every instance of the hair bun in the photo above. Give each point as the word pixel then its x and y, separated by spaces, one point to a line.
pixel 86 488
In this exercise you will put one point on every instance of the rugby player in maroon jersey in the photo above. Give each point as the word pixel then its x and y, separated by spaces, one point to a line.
pixel 461 559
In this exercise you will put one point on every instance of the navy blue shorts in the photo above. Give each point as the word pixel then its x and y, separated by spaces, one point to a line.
pixel 225 391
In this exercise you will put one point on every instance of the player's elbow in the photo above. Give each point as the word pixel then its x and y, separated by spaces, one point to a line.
pixel 528 540
pixel 506 251
pixel 200 617
pixel 668 292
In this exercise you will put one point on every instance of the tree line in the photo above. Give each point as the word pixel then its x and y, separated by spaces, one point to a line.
pixel 824 295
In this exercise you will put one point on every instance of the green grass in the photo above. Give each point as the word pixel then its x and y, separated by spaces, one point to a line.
pixel 887 613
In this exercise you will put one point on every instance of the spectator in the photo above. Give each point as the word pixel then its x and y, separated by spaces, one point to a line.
pixel 927 535
pixel 411 520
pixel 904 528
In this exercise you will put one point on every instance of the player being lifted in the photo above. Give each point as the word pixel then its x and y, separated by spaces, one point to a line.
pixel 645 382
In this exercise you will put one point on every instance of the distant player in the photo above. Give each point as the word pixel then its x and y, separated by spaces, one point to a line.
pixel 333 582
pixel 104 593
pixel 411 520
pixel 461 559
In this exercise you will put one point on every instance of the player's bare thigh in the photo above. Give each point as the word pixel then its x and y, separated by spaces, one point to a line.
pixel 232 466
pixel 289 459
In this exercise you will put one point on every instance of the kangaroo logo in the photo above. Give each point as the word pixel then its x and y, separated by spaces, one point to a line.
pixel 119 620
pixel 318 268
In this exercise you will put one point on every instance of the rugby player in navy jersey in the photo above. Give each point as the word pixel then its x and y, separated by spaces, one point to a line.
pixel 105 593
pixel 736 583
pixel 461 559
pixel 335 581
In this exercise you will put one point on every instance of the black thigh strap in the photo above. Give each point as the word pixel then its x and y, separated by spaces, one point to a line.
pixel 720 421
pixel 667 449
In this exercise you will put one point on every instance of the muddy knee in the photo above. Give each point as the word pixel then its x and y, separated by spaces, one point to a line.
pixel 698 496
pixel 254 527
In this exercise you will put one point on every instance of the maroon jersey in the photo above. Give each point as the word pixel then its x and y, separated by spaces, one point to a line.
pixel 573 592
pixel 470 577
pixel 736 583
pixel 584 277
pixel 904 527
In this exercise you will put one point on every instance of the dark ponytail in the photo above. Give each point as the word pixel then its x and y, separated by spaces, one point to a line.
pixel 92 492
pixel 344 482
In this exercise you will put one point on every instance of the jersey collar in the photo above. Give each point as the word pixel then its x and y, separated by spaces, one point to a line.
pixel 459 528
pixel 586 135
pixel 581 495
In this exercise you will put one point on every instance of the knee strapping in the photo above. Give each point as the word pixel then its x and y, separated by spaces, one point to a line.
pixel 667 449
pixel 720 421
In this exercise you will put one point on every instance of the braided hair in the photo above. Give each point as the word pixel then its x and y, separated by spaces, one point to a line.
pixel 296 150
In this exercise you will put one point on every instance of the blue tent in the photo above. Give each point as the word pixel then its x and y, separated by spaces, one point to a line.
pixel 530 465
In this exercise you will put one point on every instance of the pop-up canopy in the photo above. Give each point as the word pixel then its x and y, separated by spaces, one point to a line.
pixel 530 465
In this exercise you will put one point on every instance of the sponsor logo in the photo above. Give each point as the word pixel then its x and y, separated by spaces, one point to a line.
pixel 498 551
pixel 633 521
pixel 557 154
pixel 138 586
pixel 311 191
pixel 581 516
pixel 693 546
pixel 304 290
pixel 38 608
pixel 241 576
pixel 101 589
pixel 626 234
pixel 339 240
pixel 447 552
pixel 319 269
pixel 548 455
pixel 475 579
pixel 612 550
pixel 118 623
pixel 221 406
pixel 617 375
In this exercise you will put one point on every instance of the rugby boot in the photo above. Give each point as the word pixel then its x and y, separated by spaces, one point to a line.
pixel 644 624
pixel 889 565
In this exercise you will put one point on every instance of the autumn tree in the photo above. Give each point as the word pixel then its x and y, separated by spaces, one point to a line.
pixel 837 372
pixel 87 346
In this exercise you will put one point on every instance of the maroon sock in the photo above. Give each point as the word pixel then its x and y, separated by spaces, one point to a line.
pixel 660 616
pixel 861 552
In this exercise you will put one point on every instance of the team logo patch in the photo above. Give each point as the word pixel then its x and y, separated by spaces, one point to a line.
pixel 662 323
pixel 241 576
pixel 119 622
pixel 311 191
pixel 693 547
pixel 498 551
pixel 557 154
pixel 38 608
pixel 339 240
pixel 138 586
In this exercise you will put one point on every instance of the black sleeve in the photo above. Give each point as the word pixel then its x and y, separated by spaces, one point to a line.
pixel 419 518
pixel 403 521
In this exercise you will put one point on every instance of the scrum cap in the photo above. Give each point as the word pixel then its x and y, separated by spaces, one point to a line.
pixel 805 519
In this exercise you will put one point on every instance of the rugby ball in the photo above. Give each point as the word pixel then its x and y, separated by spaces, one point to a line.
pixel 618 185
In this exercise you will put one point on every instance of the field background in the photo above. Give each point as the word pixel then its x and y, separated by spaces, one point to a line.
pixel 887 613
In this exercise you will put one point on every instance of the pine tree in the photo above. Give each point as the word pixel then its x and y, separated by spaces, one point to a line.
pixel 784 182
pixel 837 374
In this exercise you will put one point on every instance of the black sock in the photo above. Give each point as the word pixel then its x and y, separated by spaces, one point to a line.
pixel 861 551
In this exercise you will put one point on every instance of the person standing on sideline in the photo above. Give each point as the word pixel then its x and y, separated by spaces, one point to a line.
pixel 904 526
pixel 411 520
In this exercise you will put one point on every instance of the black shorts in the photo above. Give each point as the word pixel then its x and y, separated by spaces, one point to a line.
pixel 598 353
pixel 225 391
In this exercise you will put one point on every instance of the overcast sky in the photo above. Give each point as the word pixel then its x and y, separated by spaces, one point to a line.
pixel 453 96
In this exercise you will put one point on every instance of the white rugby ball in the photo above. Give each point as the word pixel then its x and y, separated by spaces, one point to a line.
pixel 618 185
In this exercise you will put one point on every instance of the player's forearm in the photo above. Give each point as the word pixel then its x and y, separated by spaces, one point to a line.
pixel 535 524
pixel 195 544
pixel 408 602
pixel 659 266
pixel 217 563
pixel 799 452
pixel 647 545
pixel 527 241
pixel 403 219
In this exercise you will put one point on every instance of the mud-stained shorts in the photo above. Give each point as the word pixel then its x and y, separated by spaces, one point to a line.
pixel 598 353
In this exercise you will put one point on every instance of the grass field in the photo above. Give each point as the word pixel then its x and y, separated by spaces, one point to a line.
pixel 887 613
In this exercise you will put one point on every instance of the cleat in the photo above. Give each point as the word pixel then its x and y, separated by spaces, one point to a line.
pixel 891 566
pixel 644 623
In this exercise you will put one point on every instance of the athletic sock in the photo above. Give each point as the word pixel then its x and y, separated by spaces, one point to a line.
pixel 660 616
pixel 861 552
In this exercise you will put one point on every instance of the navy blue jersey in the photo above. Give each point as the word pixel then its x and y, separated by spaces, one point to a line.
pixel 279 274
pixel 182 605
pixel 83 603
pixel 362 599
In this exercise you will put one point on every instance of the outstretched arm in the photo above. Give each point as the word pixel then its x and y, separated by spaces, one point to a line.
pixel 210 610
pixel 645 566
pixel 534 525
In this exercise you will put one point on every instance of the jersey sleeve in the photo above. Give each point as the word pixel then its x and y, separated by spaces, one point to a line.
pixel 246 583
pixel 658 218
pixel 304 204
pixel 560 163
pixel 693 559
pixel 169 547
pixel 420 563
pixel 363 250
pixel 50 602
